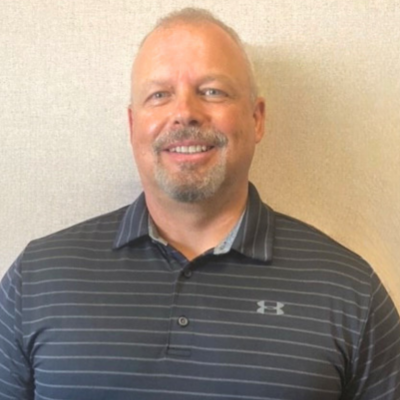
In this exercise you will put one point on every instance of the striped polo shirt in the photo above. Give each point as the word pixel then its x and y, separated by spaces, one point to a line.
pixel 106 310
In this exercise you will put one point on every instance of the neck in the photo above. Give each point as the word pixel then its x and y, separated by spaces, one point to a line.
pixel 193 228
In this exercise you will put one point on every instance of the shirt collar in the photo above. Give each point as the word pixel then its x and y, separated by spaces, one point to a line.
pixel 252 236
pixel 134 223
pixel 256 231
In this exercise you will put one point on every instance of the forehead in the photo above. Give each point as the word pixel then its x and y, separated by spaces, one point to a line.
pixel 189 49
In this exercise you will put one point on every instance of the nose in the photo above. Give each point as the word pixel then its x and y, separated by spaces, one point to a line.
pixel 188 111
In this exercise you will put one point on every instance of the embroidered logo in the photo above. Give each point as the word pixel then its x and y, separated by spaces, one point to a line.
pixel 270 307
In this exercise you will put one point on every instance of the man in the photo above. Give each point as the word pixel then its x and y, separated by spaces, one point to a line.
pixel 197 290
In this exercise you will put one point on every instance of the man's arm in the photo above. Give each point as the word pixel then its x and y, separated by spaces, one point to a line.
pixel 375 370
pixel 16 380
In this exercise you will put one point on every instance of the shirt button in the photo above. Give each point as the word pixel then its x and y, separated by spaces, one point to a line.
pixel 187 273
pixel 183 321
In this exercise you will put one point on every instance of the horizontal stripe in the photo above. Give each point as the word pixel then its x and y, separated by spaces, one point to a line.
pixel 236 287
pixel 201 348
pixel 189 295
pixel 183 333
pixel 185 307
pixel 165 392
pixel 207 322
pixel 208 379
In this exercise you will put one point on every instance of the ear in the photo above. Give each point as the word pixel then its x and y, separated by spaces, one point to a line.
pixel 130 118
pixel 259 118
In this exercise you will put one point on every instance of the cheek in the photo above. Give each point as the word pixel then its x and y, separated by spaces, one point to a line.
pixel 148 124
pixel 226 123
pixel 141 142
pixel 234 120
pixel 240 131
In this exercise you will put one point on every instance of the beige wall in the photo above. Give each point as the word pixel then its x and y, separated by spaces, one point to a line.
pixel 330 71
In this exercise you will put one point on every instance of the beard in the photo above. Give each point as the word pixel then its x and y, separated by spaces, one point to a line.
pixel 191 183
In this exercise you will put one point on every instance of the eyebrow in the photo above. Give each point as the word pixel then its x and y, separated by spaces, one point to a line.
pixel 217 77
pixel 202 80
pixel 155 82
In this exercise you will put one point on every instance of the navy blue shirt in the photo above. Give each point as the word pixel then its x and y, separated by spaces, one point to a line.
pixel 106 310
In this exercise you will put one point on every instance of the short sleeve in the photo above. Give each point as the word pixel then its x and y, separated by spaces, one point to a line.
pixel 375 370
pixel 16 381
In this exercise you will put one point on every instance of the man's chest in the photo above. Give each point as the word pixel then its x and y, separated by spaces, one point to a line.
pixel 215 332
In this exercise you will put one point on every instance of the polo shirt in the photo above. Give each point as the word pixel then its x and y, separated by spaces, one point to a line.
pixel 107 310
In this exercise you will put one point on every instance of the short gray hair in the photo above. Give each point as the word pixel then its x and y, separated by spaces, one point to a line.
pixel 194 15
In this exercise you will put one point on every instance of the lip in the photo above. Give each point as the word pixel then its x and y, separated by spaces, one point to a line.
pixel 174 151
pixel 188 144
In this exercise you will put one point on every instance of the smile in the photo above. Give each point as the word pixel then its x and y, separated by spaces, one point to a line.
pixel 189 149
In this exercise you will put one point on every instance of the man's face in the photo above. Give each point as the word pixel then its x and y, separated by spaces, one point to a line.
pixel 193 124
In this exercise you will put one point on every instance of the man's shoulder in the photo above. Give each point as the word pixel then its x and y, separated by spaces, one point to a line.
pixel 100 230
pixel 299 240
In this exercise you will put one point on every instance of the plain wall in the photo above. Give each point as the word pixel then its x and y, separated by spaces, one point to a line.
pixel 330 71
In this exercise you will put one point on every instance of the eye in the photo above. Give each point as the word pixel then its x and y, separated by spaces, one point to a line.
pixel 159 95
pixel 212 92
pixel 158 98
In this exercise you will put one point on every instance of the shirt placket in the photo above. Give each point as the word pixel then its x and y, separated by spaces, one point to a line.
pixel 182 321
pixel 182 317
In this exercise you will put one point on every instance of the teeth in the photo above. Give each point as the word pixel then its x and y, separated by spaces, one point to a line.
pixel 188 149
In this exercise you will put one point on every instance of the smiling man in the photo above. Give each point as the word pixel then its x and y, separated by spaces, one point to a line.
pixel 197 290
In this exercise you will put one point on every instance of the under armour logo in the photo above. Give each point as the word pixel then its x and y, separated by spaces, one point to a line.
pixel 272 309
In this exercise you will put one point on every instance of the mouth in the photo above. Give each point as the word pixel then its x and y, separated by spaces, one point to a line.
pixel 190 144
pixel 193 149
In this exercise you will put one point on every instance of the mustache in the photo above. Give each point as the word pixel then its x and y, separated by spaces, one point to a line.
pixel 210 137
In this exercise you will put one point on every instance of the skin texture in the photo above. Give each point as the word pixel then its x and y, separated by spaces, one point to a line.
pixel 193 76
